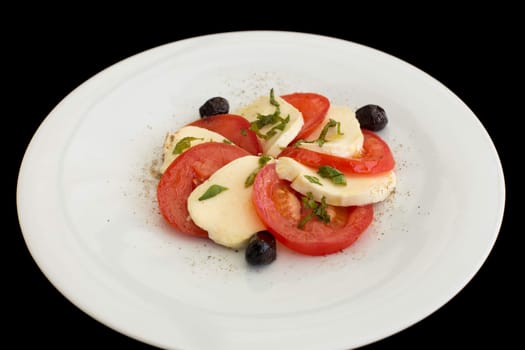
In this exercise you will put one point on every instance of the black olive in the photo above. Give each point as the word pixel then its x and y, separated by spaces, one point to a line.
pixel 215 105
pixel 371 117
pixel 261 249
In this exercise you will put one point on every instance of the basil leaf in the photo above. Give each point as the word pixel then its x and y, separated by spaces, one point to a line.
pixel 313 180
pixel 321 212
pixel 333 174
pixel 299 142
pixel 212 191
pixel 318 210
pixel 321 140
pixel 251 178
pixel 262 162
pixel 305 220
pixel 308 201
pixel 275 119
pixel 282 124
pixel 273 102
pixel 184 144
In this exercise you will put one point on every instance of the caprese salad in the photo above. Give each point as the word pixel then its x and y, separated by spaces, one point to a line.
pixel 293 168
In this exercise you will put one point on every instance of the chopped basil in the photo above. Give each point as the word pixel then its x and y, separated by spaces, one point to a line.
pixel 282 124
pixel 313 180
pixel 331 124
pixel 184 144
pixel 251 178
pixel 262 162
pixel 300 142
pixel 305 220
pixel 212 191
pixel 318 210
pixel 321 140
pixel 244 132
pixel 270 119
pixel 333 174
pixel 227 142
pixel 273 102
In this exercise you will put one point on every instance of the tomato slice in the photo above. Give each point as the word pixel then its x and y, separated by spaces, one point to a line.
pixel 235 128
pixel 280 209
pixel 186 172
pixel 312 106
pixel 376 157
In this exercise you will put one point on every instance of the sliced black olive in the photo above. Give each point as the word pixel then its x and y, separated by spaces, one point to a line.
pixel 261 249
pixel 372 117
pixel 215 105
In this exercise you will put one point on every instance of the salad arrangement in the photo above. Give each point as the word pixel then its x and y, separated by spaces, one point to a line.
pixel 291 168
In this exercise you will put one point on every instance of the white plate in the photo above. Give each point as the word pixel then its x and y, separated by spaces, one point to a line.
pixel 86 201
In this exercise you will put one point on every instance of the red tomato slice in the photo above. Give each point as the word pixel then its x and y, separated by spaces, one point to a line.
pixel 186 172
pixel 280 209
pixel 376 157
pixel 235 128
pixel 312 106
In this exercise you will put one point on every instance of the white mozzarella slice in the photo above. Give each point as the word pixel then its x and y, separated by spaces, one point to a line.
pixel 262 105
pixel 200 134
pixel 359 189
pixel 346 145
pixel 229 217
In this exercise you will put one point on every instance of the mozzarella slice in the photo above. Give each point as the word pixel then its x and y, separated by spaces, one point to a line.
pixel 346 145
pixel 172 138
pixel 262 105
pixel 359 189
pixel 229 217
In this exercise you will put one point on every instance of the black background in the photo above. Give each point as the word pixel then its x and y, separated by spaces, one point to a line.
pixel 472 52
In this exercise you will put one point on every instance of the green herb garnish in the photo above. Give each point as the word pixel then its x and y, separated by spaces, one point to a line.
pixel 184 144
pixel 331 124
pixel 313 180
pixel 317 210
pixel 262 162
pixel 244 132
pixel 280 126
pixel 270 119
pixel 321 140
pixel 333 174
pixel 212 191
pixel 273 101
pixel 228 142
